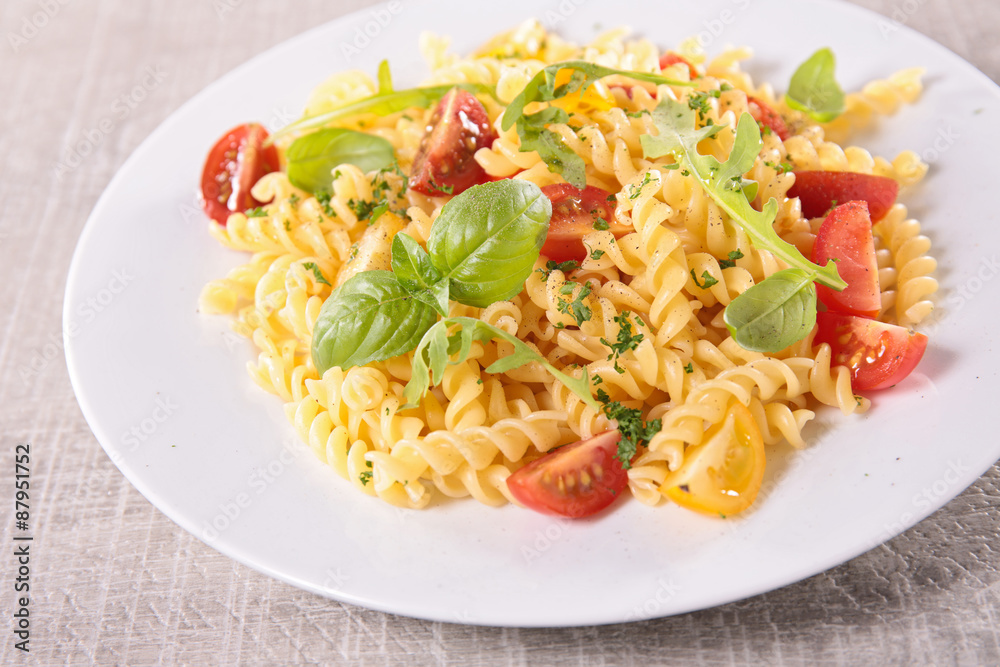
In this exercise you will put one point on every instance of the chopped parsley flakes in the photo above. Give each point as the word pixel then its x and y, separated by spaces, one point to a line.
pixel 627 340
pixel 575 308
pixel 317 274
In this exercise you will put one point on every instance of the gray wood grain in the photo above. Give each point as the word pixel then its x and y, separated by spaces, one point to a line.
pixel 115 582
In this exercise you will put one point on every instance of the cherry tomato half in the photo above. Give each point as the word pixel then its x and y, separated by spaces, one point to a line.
pixel 576 213
pixel 818 191
pixel 723 474
pixel 878 355
pixel 846 236
pixel 670 58
pixel 768 117
pixel 234 164
pixel 573 481
pixel 445 162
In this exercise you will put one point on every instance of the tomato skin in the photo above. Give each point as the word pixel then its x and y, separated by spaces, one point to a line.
pixel 574 213
pixel 819 190
pixel 878 354
pixel 445 162
pixel 846 236
pixel 768 117
pixel 723 474
pixel 537 485
pixel 237 161
pixel 670 58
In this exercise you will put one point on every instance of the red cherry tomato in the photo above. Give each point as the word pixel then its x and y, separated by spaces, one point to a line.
pixel 768 117
pixel 234 164
pixel 444 163
pixel 878 355
pixel 573 481
pixel 818 191
pixel 846 236
pixel 670 58
pixel 574 215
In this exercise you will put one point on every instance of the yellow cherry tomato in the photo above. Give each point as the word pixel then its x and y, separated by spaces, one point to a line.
pixel 722 475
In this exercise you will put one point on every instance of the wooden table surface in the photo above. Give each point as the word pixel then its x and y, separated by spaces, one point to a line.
pixel 113 581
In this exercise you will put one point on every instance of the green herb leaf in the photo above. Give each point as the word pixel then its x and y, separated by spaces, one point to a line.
pixel 312 158
pixel 317 273
pixel 635 432
pixel 724 182
pixel 731 262
pixel 371 317
pixel 814 90
pixel 531 129
pixel 437 347
pixel 487 239
pixel 412 266
pixel 774 313
pixel 383 103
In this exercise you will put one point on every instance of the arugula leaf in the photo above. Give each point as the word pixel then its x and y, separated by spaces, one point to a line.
pixel 371 317
pixel 724 182
pixel 531 128
pixel 774 313
pixel 313 157
pixel 486 240
pixel 814 90
pixel 437 347
pixel 383 103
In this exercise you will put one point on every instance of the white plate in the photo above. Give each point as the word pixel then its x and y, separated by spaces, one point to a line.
pixel 167 394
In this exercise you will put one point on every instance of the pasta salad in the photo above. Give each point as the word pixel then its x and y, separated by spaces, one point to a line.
pixel 552 273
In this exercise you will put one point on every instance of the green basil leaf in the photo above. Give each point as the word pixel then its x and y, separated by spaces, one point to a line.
pixel 486 240
pixel 411 263
pixel 371 317
pixel 312 158
pixel 436 349
pixel 814 90
pixel 774 313
pixel 413 268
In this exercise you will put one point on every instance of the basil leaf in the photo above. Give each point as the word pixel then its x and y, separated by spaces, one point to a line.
pixel 774 313
pixel 414 270
pixel 814 90
pixel 486 240
pixel 436 349
pixel 312 158
pixel 370 317
pixel 411 264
